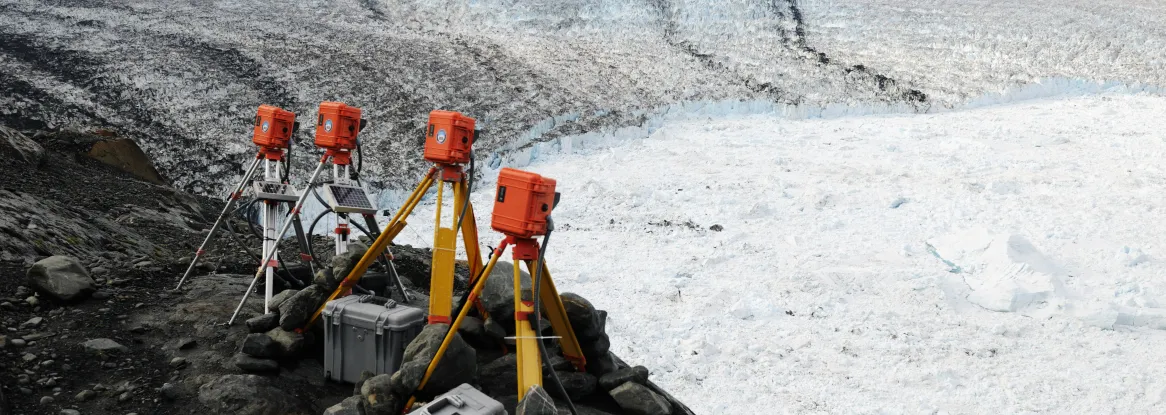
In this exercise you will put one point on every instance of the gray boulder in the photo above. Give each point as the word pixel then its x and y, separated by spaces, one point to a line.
pixel 260 345
pixel 637 374
pixel 577 384
pixel 62 278
pixel 295 311
pixel 249 395
pixel 255 364
pixel 17 146
pixel 458 365
pixel 500 376
pixel 637 399
pixel 349 406
pixel 378 398
pixel 104 347
pixel 498 293
pixel 536 402
pixel 263 323
pixel 344 263
pixel 278 299
pixel 289 343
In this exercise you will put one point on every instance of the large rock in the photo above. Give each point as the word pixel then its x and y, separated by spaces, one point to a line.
pixel 536 402
pixel 263 323
pixel 458 365
pixel 637 374
pixel 378 397
pixel 344 263
pixel 255 364
pixel 583 317
pixel 637 399
pixel 248 395
pixel 349 406
pixel 260 345
pixel 500 376
pixel 278 299
pixel 17 146
pixel 289 343
pixel 498 293
pixel 104 347
pixel 577 384
pixel 62 278
pixel 295 311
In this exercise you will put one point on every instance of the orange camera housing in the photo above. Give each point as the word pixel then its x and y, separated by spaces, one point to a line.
pixel 336 129
pixel 449 137
pixel 522 202
pixel 273 130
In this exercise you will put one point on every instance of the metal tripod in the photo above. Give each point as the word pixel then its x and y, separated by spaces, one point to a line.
pixel 444 247
pixel 270 214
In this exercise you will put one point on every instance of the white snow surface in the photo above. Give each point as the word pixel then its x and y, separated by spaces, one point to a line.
pixel 996 260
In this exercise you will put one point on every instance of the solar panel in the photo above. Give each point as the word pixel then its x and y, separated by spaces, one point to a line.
pixel 349 199
pixel 273 191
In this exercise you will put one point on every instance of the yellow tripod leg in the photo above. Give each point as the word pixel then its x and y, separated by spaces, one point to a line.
pixel 379 245
pixel 556 313
pixel 470 234
pixel 526 340
pixel 461 315
pixel 442 268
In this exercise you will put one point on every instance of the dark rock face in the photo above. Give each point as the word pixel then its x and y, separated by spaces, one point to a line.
pixel 637 374
pixel 498 294
pixel 248 395
pixel 588 324
pixel 536 402
pixel 637 399
pixel 62 278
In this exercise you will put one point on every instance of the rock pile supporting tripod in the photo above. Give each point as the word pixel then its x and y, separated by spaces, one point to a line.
pixel 273 130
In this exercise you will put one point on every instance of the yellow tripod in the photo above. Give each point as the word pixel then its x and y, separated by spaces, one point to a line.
pixel 444 243
pixel 525 337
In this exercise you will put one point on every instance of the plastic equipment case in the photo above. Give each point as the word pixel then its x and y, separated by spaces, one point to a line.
pixel 523 202
pixel 462 400
pixel 337 126
pixel 363 332
pixel 449 137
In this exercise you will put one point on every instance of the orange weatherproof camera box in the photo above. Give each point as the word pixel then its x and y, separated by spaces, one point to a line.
pixel 522 203
pixel 273 128
pixel 337 126
pixel 449 137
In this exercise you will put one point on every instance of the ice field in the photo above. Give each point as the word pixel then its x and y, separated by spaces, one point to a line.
pixel 993 260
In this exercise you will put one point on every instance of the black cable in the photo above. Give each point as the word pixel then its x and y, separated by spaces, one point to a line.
pixel 359 158
pixel 538 319
pixel 466 201
pixel 312 229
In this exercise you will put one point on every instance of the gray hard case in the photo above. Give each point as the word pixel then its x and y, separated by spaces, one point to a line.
pixel 367 333
pixel 462 400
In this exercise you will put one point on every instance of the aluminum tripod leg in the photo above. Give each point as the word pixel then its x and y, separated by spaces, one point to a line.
pixel 282 231
pixel 303 241
pixel 231 200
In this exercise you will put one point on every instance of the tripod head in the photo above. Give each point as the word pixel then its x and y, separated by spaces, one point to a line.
pixel 273 130
pixel 337 126
pixel 522 203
